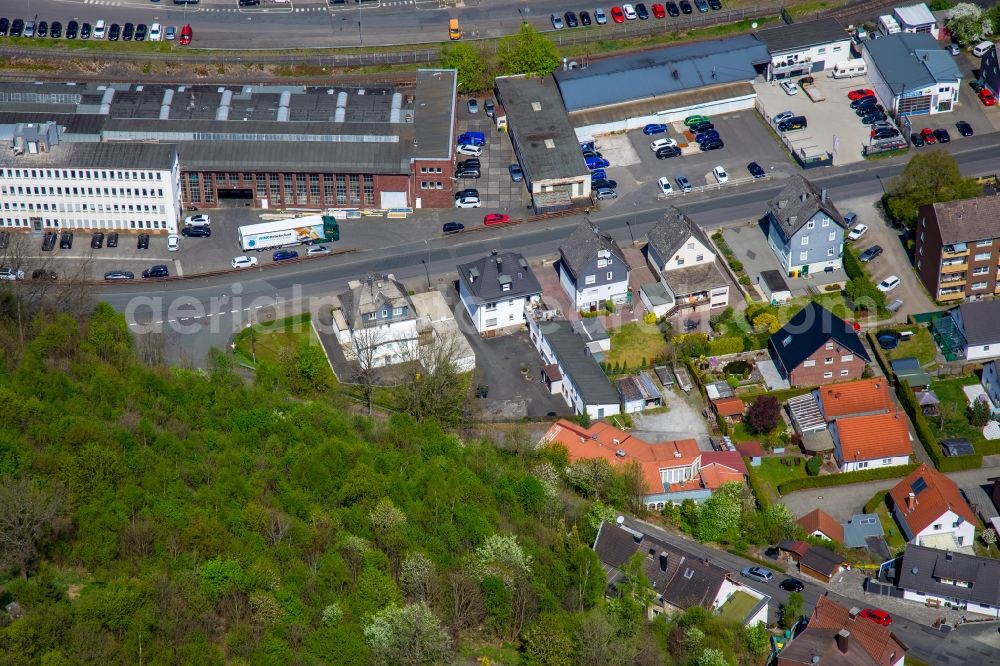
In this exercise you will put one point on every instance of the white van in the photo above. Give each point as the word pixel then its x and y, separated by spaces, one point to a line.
pixel 100 28
pixel 849 68
pixel 981 48
pixel 155 32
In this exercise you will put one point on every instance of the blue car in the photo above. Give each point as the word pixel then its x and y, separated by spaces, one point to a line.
pixel 285 255
pixel 472 139
pixel 654 128
pixel 452 227
pixel 598 174
pixel 597 163
pixel 705 136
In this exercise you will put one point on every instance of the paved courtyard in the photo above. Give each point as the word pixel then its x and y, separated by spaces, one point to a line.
pixel 682 420
pixel 497 190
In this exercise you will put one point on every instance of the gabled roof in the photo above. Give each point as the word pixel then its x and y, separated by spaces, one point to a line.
pixel 585 243
pixel 672 231
pixel 797 203
pixel 980 322
pixel 719 467
pixel 966 220
pixel 864 396
pixel 808 330
pixel 821 560
pixel 797 36
pixel 819 520
pixel 915 15
pixel 873 437
pixel 570 349
pixel 750 449
pixel 923 568
pixel 374 293
pixel 910 61
pixel 729 406
pixel 933 494
pixel 484 278
pixel 868 643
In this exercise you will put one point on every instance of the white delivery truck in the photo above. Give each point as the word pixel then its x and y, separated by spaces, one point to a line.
pixel 850 68
pixel 293 231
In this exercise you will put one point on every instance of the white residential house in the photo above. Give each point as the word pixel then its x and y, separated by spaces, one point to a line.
pixel 804 229
pixel 978 326
pixel 377 325
pixel 805 47
pixel 911 74
pixel 871 441
pixel 592 268
pixel 931 511
pixel 932 576
pixel 496 290
pixel 47 184
pixel 682 257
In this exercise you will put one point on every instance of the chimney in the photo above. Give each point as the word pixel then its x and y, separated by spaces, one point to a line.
pixel 843 640
pixel 663 560
pixel 948 555
pixel 911 499
pixel 803 197
pixel 822 195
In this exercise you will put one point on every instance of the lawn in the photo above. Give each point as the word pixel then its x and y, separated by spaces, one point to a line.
pixel 736 607
pixel 893 538
pixel 267 341
pixel 949 391
pixel 777 473
pixel 740 433
pixel 635 342
pixel 921 345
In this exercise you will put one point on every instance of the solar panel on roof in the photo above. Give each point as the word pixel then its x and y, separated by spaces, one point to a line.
pixel 918 486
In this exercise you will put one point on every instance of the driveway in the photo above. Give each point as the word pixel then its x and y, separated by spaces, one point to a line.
pixel 497 190
pixel 842 502
pixel 682 420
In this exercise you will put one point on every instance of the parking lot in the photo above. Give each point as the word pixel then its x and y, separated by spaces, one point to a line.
pixel 497 191
pixel 636 168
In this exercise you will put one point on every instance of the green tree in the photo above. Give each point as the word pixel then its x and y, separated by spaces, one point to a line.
pixel 757 640
pixel 929 177
pixel 547 643
pixel 766 323
pixel 792 609
pixel 968 24
pixel 469 62
pixel 712 657
pixel 410 635
pixel 588 577
pixel 527 52
pixel 719 518
pixel 979 413
pixel 813 465
pixel 865 295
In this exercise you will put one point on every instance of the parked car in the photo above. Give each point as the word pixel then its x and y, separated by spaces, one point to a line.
pixel 4 26
pixel 976 86
pixel 42 30
pixel 665 186
pixel 48 241
pixel 683 183
pixel 600 17
pixel 468 202
pixel 668 152
pixel 604 183
pixel 987 98
pixel 877 616
pixel 917 140
pixel 759 574
pixel 128 30
pixel 17 27
pixel 642 12
pixel 516 173
pixel 196 232
pixel 654 128
pixel 888 284
pixel 119 275
pixel 186 36
pixel 859 93
pixel 571 20
pixel 870 254
pixel 782 117
pixel 140 32
pixel 496 218
pixel 489 108
pixel 964 128
pixel 662 143
pixel 142 242
pixel 285 255
pixel 792 585
pixel 596 163
pixel 173 242
pixel 158 271
pixel 702 137
pixel 244 261
pixel 672 9
pixel 452 227
pixel 198 220
pixel 602 193
pixel 11 274
pixel 66 240
pixel 629 11
pixel 873 117
pixel 473 105
pixel 97 241
pixel 953 49
pixel 55 31
pixel 468 149
pixel 617 15
pixel 704 126
pixel 928 134
pixel 857 232
pixel 658 11
pixel 686 7
pixel 790 88
pixel 598 174
pixel 862 101
pixel 85 31
pixel 942 135
pixel 557 23
pixel 694 120
pixel 112 239
pixel 720 174
pixel 585 18
pixel 756 170
pixel 711 144
pixel 467 192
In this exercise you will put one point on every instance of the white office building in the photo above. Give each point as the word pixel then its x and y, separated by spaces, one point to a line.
pixel 49 185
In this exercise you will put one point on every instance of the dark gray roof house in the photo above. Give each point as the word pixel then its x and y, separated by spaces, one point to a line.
pixel 375 301
pixel 671 231
pixel 584 245
pixel 980 322
pixel 808 330
pixel 657 72
pixel 798 36
pixel 797 203
pixel 950 575
pixel 578 366
pixel 911 61
pixel 485 279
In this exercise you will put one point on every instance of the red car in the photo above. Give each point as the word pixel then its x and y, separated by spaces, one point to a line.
pixel 659 11
pixel 617 15
pixel 185 37
pixel 877 616
pixel 928 135
pixel 861 92
pixel 496 218
pixel 987 98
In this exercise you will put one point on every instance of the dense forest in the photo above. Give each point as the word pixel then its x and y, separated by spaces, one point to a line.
pixel 157 515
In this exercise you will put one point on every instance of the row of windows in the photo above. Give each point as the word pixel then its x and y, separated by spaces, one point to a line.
pixel 78 174
pixel 84 207
pixel 89 224
pixel 846 358
pixel 430 169
pixel 832 236
pixel 78 191
pixel 804 254
pixel 590 279
pixel 431 185
pixel 302 189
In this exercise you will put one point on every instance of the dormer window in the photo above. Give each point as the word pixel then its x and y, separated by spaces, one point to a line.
pixel 506 286
pixel 372 316
pixel 385 313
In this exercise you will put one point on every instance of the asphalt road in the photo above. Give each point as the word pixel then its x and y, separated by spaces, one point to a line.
pixel 205 320
pixel 310 23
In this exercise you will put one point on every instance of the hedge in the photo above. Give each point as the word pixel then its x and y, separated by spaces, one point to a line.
pixel 852 265
pixel 758 485
pixel 987 447
pixel 845 478
pixel 927 438
pixel 729 344
pixel 877 501
pixel 880 355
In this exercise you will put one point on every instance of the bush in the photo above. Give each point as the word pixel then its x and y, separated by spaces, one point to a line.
pixel 745 280
pixel 758 485
pixel 813 466
pixel 729 344
pixel 649 318
pixel 926 435
pixel 736 265
pixel 979 413
pixel 692 345
pixel 852 265
pixel 876 502
pixel 609 306
pixel 763 414
pixel 845 478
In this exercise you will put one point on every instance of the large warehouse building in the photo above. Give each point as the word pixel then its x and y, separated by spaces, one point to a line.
pixel 663 85
pixel 374 147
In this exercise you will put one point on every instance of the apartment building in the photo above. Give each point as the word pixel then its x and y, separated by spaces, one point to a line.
pixel 958 248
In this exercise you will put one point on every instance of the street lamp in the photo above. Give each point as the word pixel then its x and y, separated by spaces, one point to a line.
pixel 361 39
pixel 427 272
pixel 879 177
pixel 629 225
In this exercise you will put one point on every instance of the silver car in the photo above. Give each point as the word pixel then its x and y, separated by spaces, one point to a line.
pixel 759 574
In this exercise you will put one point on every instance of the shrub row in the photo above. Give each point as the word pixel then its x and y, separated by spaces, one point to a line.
pixel 852 265
pixel 875 502
pixel 729 344
pixel 845 478
pixel 758 485
pixel 988 447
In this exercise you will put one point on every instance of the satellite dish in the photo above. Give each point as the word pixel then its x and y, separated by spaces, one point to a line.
pixel 754 25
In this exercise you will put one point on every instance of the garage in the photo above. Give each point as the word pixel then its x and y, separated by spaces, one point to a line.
pixel 665 85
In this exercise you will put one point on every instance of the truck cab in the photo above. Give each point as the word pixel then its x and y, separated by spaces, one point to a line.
pixel 454 32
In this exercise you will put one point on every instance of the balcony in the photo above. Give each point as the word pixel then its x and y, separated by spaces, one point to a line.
pixel 951 294
pixel 954 279
pixel 955 250
pixel 954 265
